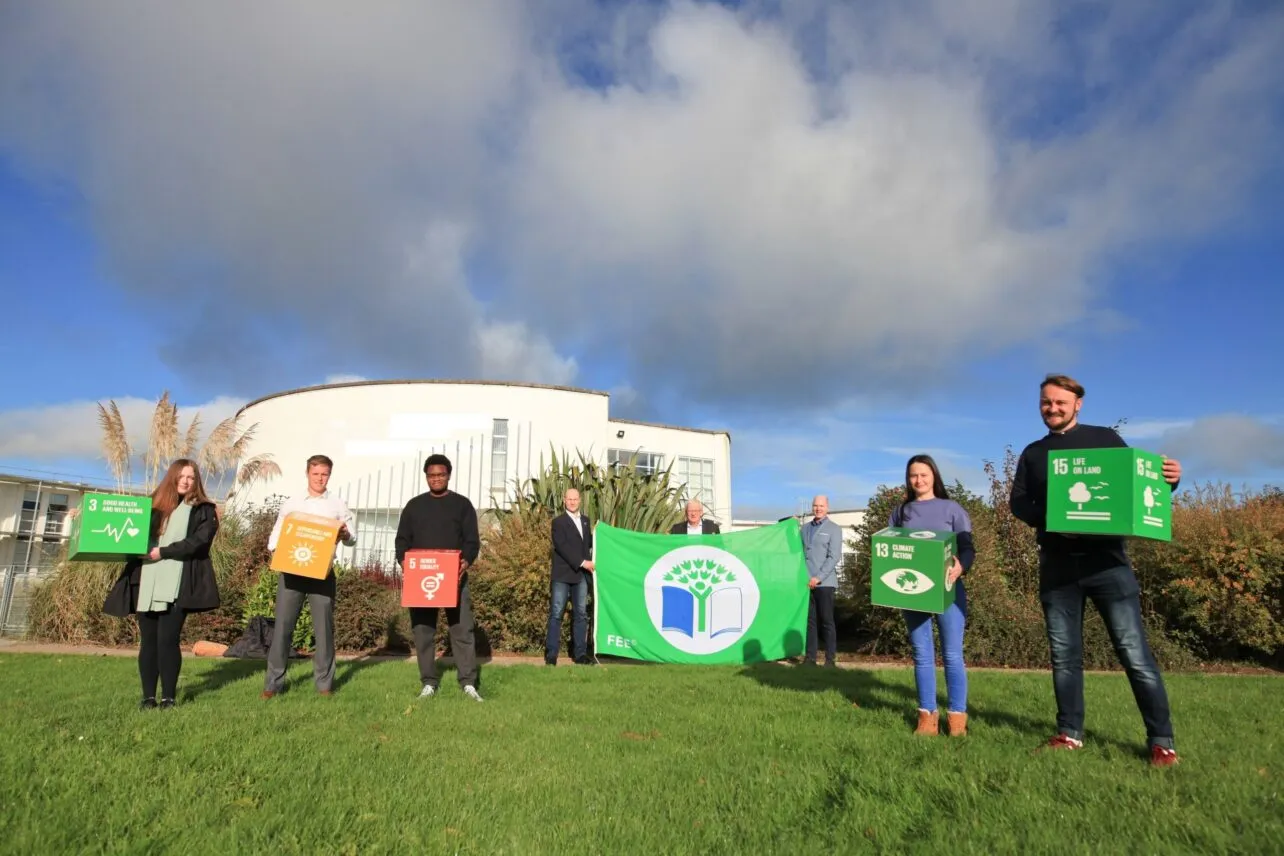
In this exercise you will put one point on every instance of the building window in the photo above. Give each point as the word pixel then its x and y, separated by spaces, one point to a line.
pixel 697 475
pixel 27 520
pixel 56 515
pixel 645 463
pixel 499 456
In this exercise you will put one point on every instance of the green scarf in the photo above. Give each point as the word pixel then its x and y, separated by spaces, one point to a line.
pixel 159 581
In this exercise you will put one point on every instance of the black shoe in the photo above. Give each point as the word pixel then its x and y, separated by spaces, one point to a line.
pixel 585 661
pixel 809 663
pixel 166 703
pixel 830 664
pixel 147 704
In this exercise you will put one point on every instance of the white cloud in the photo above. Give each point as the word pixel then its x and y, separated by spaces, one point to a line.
pixel 1227 445
pixel 1148 429
pixel 510 351
pixel 729 211
pixel 344 378
pixel 70 431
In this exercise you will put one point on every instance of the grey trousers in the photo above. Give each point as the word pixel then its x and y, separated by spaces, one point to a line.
pixel 423 621
pixel 291 589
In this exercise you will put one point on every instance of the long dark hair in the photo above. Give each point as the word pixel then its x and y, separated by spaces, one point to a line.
pixel 166 496
pixel 938 488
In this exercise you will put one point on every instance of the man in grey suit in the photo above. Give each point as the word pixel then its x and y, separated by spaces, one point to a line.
pixel 823 546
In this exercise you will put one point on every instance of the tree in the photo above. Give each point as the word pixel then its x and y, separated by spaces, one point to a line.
pixel 699 576
pixel 617 495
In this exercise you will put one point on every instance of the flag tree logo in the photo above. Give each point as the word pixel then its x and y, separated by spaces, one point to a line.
pixel 702 599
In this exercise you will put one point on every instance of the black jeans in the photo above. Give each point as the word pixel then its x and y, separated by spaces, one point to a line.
pixel 821 611
pixel 1063 590
pixel 459 621
pixel 159 655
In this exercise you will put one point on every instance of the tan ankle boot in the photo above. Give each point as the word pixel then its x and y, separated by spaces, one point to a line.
pixel 958 724
pixel 927 723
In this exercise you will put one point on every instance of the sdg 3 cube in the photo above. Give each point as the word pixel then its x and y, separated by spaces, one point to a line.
pixel 909 569
pixel 110 528
pixel 1109 492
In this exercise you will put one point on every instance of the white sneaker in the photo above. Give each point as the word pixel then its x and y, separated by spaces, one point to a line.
pixel 472 693
pixel 428 691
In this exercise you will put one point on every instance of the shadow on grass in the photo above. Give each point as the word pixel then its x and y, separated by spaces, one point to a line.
pixel 868 691
pixel 346 670
pixel 862 688
pixel 224 672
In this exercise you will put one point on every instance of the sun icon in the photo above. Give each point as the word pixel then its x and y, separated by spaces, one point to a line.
pixel 302 555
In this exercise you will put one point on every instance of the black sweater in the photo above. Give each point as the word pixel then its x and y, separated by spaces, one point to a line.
pixel 447 522
pixel 1029 501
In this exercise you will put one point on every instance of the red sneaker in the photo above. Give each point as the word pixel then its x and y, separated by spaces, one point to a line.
pixel 1063 741
pixel 1162 757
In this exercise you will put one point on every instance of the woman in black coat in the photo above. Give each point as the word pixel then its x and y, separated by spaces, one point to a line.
pixel 176 577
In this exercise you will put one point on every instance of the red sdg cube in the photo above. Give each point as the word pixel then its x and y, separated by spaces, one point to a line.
pixel 430 578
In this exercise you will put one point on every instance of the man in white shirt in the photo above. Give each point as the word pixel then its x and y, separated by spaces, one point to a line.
pixel 695 524
pixel 291 589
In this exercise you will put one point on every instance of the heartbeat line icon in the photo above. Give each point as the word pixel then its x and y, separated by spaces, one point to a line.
pixel 126 528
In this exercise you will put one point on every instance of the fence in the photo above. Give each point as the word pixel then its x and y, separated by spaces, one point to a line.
pixel 17 584
pixel 483 470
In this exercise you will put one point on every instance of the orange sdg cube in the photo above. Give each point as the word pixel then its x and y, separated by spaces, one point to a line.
pixel 306 545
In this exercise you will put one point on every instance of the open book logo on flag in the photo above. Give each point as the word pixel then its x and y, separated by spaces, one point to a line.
pixel 701 598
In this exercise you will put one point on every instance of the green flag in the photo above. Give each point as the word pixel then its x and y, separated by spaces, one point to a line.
pixel 737 598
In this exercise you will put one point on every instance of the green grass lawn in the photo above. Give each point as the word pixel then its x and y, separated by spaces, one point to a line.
pixel 618 759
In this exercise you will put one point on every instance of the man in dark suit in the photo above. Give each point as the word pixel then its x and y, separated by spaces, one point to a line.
pixel 572 559
pixel 695 524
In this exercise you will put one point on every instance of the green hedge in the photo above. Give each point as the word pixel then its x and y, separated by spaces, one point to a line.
pixel 1215 592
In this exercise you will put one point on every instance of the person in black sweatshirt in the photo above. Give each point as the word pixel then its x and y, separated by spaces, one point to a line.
pixel 1076 568
pixel 442 520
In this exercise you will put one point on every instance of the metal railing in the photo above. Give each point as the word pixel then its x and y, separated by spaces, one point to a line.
pixel 17 585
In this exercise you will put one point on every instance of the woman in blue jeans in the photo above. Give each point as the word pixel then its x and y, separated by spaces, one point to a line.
pixel 928 506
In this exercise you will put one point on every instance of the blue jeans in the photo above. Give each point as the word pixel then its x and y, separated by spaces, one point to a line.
pixel 1114 590
pixel 951 623
pixel 577 593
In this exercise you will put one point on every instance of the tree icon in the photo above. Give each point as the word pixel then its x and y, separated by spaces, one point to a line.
pixel 1148 499
pixel 699 576
pixel 1081 493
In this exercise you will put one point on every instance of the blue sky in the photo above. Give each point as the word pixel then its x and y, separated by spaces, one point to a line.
pixel 844 232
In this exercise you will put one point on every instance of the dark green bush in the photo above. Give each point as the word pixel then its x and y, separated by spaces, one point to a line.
pixel 510 584
pixel 1005 620
pixel 1215 592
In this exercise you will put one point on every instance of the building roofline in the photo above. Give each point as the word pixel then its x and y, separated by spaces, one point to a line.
pixel 79 487
pixel 412 381
pixel 719 431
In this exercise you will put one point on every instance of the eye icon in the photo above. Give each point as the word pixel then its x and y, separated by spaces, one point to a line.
pixel 907 581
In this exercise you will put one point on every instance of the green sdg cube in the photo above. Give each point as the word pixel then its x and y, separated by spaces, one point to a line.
pixel 110 527
pixel 1109 492
pixel 908 569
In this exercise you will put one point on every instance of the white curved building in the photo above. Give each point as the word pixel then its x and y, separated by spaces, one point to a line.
pixel 495 433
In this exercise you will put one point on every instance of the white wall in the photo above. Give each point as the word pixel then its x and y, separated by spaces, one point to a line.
pixel 845 518
pixel 378 435
pixel 675 443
